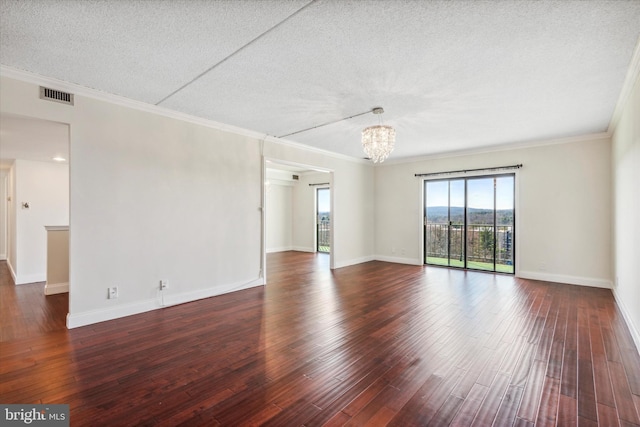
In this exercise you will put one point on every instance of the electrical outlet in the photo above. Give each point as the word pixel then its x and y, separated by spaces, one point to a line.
pixel 113 292
pixel 163 285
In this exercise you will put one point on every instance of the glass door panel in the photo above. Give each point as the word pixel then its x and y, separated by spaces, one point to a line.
pixel 323 220
pixel 505 224
pixel 436 222
pixel 480 224
pixel 456 223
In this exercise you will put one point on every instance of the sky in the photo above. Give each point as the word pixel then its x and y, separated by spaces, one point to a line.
pixel 323 200
pixel 480 193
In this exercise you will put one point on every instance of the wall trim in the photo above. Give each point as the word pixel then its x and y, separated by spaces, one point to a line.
pixel 11 271
pixel 497 148
pixel 56 288
pixel 398 260
pixel 191 296
pixel 560 278
pixel 635 333
pixel 30 278
pixel 293 144
pixel 303 249
pixel 627 88
pixel 101 315
pixel 280 249
pixel 354 261
pixel 3 257
pixel 122 101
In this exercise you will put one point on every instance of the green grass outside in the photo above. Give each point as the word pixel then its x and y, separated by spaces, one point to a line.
pixel 500 268
pixel 324 249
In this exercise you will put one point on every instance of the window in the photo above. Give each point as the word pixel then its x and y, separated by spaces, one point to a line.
pixel 470 223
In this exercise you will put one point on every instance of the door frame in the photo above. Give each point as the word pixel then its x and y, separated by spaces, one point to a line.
pixel 474 174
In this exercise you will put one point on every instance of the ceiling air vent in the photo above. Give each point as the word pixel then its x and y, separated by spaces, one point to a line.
pixel 56 95
pixel 295 177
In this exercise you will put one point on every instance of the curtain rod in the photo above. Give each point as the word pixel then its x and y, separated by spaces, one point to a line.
pixel 322 183
pixel 471 170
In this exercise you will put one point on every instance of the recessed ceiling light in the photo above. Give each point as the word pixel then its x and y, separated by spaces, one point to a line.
pixel 59 159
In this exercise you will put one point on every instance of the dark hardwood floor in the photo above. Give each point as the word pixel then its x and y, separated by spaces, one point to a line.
pixel 371 344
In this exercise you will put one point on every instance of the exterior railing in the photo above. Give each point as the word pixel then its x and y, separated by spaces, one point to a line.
pixel 480 242
pixel 324 237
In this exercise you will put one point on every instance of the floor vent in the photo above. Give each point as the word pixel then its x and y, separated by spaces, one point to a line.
pixel 56 95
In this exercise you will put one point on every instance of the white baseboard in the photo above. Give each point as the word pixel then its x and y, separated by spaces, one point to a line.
pixel 399 260
pixel 303 249
pixel 635 333
pixel 353 261
pixel 95 316
pixel 56 288
pixel 76 320
pixel 30 278
pixel 3 257
pixel 11 270
pixel 571 280
pixel 170 300
pixel 280 249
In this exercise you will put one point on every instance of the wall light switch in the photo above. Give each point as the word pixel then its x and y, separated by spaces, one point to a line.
pixel 113 292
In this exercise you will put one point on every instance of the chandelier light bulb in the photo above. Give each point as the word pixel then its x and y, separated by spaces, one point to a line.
pixel 378 142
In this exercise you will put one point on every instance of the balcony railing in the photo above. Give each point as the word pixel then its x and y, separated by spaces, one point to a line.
pixel 480 243
pixel 324 237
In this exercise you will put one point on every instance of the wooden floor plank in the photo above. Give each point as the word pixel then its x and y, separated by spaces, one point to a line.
pixel 370 344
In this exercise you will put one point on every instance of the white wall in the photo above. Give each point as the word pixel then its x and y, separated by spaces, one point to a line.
pixel 45 187
pixel 304 211
pixel 351 198
pixel 279 217
pixel 154 197
pixel 626 206
pixel 4 182
pixel 562 211
pixel 12 262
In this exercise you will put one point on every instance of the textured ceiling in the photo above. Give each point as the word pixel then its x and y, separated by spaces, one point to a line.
pixel 450 75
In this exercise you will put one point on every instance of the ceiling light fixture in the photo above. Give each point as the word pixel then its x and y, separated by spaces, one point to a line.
pixel 59 159
pixel 378 141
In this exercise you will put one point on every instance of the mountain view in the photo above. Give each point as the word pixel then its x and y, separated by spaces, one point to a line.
pixel 439 215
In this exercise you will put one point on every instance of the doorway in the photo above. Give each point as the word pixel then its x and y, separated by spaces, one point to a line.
pixel 289 221
pixel 34 164
pixel 323 220
pixel 470 223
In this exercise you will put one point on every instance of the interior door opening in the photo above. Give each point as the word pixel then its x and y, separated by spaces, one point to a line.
pixel 470 223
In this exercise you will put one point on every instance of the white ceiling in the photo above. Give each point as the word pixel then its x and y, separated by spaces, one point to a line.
pixel 451 75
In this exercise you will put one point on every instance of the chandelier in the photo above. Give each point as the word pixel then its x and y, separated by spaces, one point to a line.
pixel 378 141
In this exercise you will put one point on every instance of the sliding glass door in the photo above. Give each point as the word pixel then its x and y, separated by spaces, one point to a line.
pixel 323 220
pixel 470 223
pixel 444 222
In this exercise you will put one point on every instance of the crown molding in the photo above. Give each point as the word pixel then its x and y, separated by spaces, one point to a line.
pixel 293 144
pixel 630 80
pixel 498 148
pixel 76 89
pixel 122 101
